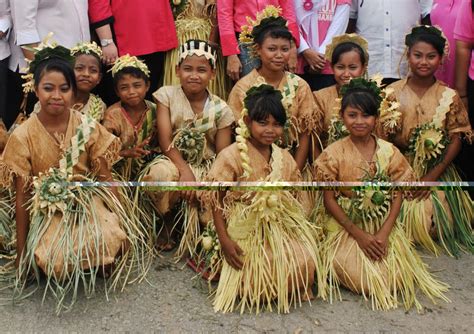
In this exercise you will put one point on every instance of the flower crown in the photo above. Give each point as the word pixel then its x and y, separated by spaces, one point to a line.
pixel 129 61
pixel 270 16
pixel 347 38
pixel 47 49
pixel 358 84
pixel 198 48
pixel 87 48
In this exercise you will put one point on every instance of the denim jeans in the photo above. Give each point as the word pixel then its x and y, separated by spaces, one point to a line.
pixel 247 60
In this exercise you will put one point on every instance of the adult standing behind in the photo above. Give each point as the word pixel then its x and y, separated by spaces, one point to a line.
pixel 464 78
pixel 142 28
pixel 32 21
pixel 318 22
pixel 5 27
pixel 384 24
pixel 443 14
pixel 231 16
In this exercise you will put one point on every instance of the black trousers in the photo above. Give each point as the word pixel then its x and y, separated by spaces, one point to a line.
pixel 3 87
pixel 465 159
pixel 318 81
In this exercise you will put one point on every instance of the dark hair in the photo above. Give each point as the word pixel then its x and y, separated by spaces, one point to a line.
pixel 55 64
pixel 133 71
pixel 347 47
pixel 362 99
pixel 427 34
pixel 271 27
pixel 93 54
pixel 263 101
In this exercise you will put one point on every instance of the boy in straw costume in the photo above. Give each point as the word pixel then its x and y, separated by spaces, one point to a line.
pixel 271 251
pixel 365 250
pixel 349 59
pixel 434 120
pixel 193 126
pixel 71 234
pixel 196 19
pixel 133 118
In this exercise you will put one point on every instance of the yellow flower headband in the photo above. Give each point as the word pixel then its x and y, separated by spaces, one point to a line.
pixel 347 38
pixel 246 35
pixel 129 61
pixel 86 48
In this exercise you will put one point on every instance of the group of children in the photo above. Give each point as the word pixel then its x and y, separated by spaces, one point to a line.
pixel 267 248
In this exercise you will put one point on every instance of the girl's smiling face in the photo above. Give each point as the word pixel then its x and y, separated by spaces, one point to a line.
pixel 54 93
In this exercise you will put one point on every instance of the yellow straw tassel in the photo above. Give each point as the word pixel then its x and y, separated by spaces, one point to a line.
pixel 281 253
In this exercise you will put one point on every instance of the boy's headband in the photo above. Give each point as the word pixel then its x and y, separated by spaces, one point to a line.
pixel 198 48
pixel 129 61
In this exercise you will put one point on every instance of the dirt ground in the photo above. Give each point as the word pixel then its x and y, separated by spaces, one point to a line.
pixel 171 301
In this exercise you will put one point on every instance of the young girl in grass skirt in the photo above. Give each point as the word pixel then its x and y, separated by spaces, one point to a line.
pixel 349 59
pixel 133 118
pixel 70 233
pixel 88 72
pixel 193 126
pixel 365 250
pixel 196 19
pixel 271 42
pixel 270 249
pixel 434 120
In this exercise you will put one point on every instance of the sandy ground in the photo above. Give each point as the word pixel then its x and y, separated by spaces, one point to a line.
pixel 173 302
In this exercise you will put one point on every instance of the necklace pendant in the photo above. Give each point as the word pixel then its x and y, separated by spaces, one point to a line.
pixel 308 5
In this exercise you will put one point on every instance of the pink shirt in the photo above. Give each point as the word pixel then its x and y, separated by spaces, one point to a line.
pixel 232 14
pixel 464 29
pixel 443 15
pixel 325 18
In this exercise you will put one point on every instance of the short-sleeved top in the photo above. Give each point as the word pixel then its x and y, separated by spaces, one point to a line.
pixel 464 29
pixel 31 149
pixel 326 102
pixel 182 114
pixel 342 162
pixel 302 109
pixel 418 111
pixel 117 121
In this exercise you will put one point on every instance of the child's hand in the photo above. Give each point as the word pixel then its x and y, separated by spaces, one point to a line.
pixel 232 253
pixel 369 244
pixel 382 239
pixel 186 175
pixel 137 151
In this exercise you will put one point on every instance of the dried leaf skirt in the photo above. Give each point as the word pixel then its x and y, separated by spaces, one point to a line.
pixel 386 283
pixel 74 247
pixel 444 220
pixel 190 217
pixel 281 255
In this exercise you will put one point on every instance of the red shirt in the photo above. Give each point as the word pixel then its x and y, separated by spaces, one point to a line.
pixel 232 14
pixel 141 26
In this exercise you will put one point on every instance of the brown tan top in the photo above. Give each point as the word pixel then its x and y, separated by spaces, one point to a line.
pixel 182 114
pixel 326 104
pixel 31 150
pixel 303 111
pixel 417 111
pixel 342 161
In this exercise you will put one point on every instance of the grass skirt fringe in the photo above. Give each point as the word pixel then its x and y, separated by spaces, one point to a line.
pixel 189 217
pixel 7 222
pixel 386 283
pixel 281 253
pixel 452 222
pixel 73 247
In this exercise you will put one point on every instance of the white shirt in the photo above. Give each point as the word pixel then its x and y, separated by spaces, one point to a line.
pixel 34 19
pixel 5 26
pixel 384 23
